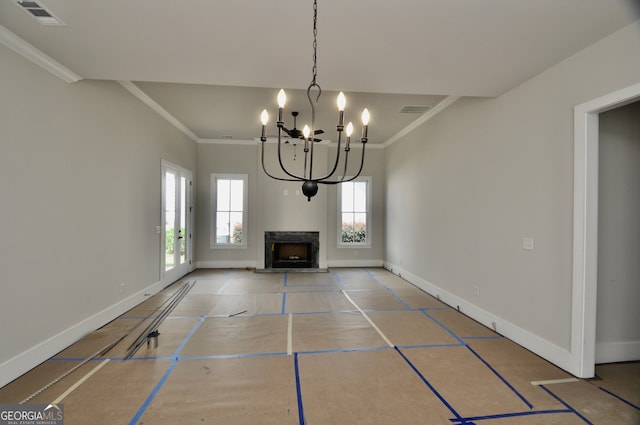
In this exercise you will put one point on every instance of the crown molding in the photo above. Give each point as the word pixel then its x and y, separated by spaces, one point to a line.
pixel 36 56
pixel 137 92
pixel 444 103
pixel 228 141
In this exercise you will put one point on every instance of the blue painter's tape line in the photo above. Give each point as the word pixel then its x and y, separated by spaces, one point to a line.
pixel 495 372
pixel 431 387
pixel 338 279
pixel 164 378
pixel 318 291
pixel 284 303
pixel 226 283
pixel 409 347
pixel 314 285
pixel 483 337
pixel 508 415
pixel 324 312
pixel 565 404
pixel 285 279
pixel 400 300
pixel 345 350
pixel 133 359
pixel 298 389
pixel 188 337
pixel 153 394
pixel 453 334
pixel 231 356
pixel 620 398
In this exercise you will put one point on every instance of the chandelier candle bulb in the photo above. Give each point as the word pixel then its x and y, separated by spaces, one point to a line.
pixel 306 131
pixel 342 102
pixel 282 99
pixel 349 131
pixel 264 118
pixel 365 124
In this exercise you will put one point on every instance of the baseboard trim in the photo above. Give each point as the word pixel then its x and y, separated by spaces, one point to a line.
pixel 553 353
pixel 27 360
pixel 216 264
pixel 355 263
pixel 612 352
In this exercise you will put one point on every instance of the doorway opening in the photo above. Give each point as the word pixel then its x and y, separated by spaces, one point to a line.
pixel 585 226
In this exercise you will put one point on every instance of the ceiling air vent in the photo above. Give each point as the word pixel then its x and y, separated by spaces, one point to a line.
pixel 413 109
pixel 40 13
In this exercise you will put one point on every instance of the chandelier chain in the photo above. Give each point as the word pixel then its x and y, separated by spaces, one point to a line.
pixel 309 181
pixel 315 42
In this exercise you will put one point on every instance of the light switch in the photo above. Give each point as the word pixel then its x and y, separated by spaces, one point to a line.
pixel 527 243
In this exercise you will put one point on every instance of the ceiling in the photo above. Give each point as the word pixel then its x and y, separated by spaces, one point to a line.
pixel 214 65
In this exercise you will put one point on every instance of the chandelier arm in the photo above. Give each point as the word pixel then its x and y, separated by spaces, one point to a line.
pixel 346 161
pixel 350 178
pixel 272 176
pixel 306 159
pixel 311 159
pixel 297 178
pixel 335 165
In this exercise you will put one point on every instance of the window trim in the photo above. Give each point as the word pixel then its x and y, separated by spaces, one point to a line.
pixel 213 243
pixel 367 244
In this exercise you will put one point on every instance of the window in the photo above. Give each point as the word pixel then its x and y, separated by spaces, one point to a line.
pixel 229 211
pixel 354 216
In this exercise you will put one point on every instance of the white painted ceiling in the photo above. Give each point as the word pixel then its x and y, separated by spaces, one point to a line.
pixel 215 65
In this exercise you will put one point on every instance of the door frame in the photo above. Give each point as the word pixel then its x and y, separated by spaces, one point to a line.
pixel 170 276
pixel 585 225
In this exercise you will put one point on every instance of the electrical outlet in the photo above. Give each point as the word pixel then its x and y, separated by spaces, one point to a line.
pixel 476 290
pixel 122 288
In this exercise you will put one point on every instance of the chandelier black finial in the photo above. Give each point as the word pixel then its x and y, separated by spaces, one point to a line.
pixel 309 182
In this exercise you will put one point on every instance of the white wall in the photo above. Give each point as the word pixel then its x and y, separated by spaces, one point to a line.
pixel 80 187
pixel 369 256
pixel 276 205
pixel 464 190
pixel 618 315
pixel 224 158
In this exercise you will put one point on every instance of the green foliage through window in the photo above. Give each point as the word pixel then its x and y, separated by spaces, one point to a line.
pixel 236 237
pixel 170 241
pixel 354 233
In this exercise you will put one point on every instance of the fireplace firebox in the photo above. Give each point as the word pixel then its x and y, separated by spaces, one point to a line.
pixel 291 250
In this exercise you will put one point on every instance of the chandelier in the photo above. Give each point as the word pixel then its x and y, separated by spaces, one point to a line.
pixel 309 180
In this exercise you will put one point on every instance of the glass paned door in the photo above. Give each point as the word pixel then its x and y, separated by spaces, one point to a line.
pixel 176 244
pixel 182 236
pixel 169 219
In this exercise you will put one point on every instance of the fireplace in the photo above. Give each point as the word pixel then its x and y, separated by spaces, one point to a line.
pixel 291 250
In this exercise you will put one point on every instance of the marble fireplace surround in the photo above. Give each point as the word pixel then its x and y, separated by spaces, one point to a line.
pixel 272 239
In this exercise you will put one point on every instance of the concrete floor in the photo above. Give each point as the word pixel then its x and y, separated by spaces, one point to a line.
pixel 353 346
